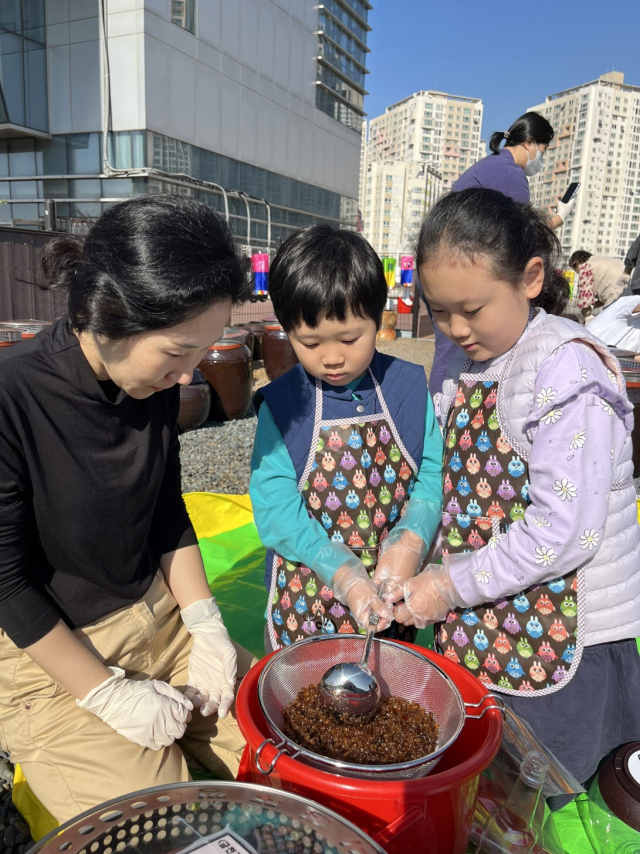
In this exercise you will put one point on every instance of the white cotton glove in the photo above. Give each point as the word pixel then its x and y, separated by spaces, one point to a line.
pixel 149 713
pixel 428 597
pixel 213 660
pixel 400 560
pixel 565 208
pixel 353 587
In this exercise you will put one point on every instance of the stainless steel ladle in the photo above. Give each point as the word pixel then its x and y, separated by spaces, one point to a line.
pixel 350 687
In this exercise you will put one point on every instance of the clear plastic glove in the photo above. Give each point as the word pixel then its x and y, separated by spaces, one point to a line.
pixel 565 208
pixel 149 713
pixel 400 560
pixel 352 586
pixel 428 597
pixel 213 660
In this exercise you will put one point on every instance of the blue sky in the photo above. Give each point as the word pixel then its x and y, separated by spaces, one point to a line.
pixel 510 54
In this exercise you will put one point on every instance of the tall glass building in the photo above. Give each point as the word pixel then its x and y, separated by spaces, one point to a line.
pixel 342 54
pixel 256 114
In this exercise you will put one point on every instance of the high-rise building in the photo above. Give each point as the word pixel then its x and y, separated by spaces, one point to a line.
pixel 413 153
pixel 597 142
pixel 396 196
pixel 253 106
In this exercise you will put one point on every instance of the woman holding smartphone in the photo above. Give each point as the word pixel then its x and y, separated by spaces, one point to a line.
pixel 507 169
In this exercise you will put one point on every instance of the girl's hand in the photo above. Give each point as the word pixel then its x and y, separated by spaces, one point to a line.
pixel 428 597
pixel 213 660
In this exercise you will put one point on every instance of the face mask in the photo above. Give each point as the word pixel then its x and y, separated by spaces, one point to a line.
pixel 533 166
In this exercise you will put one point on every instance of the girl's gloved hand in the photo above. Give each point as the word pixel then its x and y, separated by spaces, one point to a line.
pixel 149 713
pixel 400 560
pixel 428 597
pixel 213 660
pixel 353 587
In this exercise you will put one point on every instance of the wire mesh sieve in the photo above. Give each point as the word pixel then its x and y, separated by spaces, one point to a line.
pixel 400 671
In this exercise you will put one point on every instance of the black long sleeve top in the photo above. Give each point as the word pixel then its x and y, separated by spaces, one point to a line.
pixel 90 495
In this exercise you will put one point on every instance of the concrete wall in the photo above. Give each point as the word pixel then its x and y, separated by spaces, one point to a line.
pixel 243 86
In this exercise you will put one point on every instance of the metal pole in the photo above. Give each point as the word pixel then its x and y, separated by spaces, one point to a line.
pixel 50 215
pixel 416 306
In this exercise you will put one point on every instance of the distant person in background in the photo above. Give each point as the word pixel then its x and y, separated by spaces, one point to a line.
pixel 507 170
pixel 619 324
pixel 632 267
pixel 601 281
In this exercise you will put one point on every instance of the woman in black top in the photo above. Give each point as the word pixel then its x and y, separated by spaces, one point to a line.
pixel 111 646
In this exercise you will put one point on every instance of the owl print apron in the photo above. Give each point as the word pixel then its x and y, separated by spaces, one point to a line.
pixel 357 482
pixel 525 644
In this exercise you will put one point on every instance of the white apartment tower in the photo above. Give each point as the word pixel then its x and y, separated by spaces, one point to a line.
pixel 413 153
pixel 597 139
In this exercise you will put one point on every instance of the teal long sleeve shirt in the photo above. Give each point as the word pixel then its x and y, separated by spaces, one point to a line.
pixel 281 515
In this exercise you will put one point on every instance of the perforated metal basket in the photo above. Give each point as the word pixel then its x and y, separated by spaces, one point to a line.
pixel 208 817
pixel 400 671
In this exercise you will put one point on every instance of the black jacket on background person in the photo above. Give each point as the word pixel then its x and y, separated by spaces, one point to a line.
pixel 90 492
pixel 632 262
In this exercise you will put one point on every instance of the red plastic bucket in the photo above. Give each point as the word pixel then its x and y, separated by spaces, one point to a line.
pixel 432 813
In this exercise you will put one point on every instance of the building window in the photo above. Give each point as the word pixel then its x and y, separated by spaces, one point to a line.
pixel 183 13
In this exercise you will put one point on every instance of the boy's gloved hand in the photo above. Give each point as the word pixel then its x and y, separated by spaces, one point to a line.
pixel 564 208
pixel 400 560
pixel 428 597
pixel 213 660
pixel 353 587
pixel 149 713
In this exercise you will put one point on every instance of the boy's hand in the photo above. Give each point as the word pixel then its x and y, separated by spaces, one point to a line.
pixel 399 561
pixel 352 586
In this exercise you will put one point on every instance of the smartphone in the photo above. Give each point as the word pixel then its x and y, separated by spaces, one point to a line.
pixel 572 189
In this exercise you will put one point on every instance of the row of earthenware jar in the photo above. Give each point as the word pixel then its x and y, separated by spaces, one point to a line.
pixel 222 385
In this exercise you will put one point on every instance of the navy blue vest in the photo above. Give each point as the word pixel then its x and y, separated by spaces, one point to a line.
pixel 291 400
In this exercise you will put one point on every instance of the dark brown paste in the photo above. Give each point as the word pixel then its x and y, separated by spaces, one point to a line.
pixel 397 730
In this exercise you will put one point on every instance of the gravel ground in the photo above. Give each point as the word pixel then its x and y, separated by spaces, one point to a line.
pixel 217 458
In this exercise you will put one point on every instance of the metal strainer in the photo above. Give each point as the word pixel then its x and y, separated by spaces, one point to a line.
pixel 400 671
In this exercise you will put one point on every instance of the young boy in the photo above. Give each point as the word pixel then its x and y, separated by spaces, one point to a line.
pixel 347 462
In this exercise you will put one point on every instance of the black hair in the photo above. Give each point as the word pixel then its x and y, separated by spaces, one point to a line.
pixel 485 223
pixel 147 263
pixel 322 270
pixel 579 257
pixel 529 127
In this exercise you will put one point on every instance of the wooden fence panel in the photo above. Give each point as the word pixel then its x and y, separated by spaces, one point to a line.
pixel 23 293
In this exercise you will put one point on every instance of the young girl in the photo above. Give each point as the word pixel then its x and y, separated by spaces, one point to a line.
pixel 347 453
pixel 539 585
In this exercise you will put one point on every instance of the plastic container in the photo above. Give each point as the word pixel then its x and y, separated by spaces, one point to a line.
pixel 195 403
pixel 432 813
pixel 227 369
pixel 277 352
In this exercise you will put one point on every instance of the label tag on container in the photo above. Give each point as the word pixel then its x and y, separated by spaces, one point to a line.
pixel 223 842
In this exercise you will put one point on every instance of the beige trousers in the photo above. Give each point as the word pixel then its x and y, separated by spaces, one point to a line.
pixel 70 758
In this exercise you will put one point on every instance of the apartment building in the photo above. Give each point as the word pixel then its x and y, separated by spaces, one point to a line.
pixel 412 154
pixel 597 142
pixel 253 106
